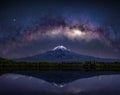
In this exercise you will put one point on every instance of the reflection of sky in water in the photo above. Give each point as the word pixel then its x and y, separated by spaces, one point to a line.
pixel 15 84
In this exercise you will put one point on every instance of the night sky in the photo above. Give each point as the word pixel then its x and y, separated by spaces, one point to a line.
pixel 30 27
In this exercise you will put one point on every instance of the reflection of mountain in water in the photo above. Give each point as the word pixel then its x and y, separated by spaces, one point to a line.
pixel 15 84
pixel 62 77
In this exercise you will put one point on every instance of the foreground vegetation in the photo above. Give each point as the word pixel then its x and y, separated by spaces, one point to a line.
pixel 8 66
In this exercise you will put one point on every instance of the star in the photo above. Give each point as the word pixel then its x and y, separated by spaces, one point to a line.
pixel 14 19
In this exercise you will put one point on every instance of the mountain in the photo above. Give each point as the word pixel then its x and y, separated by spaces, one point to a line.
pixel 62 54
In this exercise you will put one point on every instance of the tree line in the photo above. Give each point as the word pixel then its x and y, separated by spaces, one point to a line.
pixel 8 66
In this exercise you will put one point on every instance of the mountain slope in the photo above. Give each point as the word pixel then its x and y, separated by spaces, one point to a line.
pixel 60 54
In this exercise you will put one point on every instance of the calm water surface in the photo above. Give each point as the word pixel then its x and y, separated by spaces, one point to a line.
pixel 60 83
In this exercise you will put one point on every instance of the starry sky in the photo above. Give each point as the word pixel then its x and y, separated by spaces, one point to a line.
pixel 31 27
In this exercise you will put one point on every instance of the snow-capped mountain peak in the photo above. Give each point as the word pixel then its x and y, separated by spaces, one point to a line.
pixel 60 47
pixel 62 54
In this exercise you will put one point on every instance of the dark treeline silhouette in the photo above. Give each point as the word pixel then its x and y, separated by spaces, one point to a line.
pixel 8 66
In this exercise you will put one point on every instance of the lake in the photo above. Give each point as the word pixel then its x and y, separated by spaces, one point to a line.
pixel 60 83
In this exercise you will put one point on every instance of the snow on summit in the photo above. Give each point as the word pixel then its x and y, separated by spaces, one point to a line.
pixel 60 47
